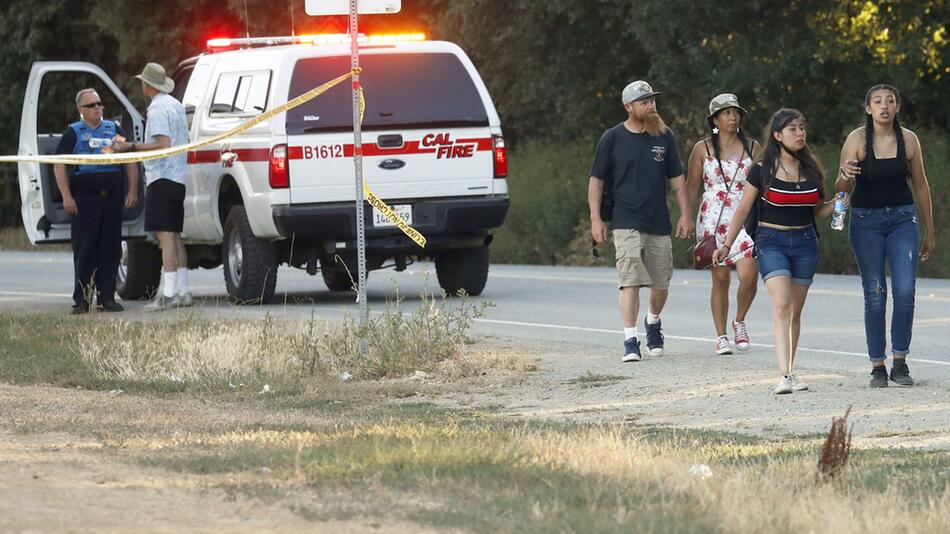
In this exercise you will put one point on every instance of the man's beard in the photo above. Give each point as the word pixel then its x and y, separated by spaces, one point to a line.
pixel 653 124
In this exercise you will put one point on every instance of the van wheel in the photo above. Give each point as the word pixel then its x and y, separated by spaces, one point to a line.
pixel 140 270
pixel 463 269
pixel 250 264
pixel 338 279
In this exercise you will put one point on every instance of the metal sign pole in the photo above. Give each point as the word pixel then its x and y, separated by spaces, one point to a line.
pixel 358 166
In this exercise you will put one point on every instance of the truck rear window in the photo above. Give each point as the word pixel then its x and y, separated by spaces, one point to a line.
pixel 401 90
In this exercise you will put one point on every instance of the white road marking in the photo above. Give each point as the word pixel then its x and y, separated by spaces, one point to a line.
pixel 685 338
pixel 39 295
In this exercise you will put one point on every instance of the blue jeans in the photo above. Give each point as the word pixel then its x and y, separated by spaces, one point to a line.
pixel 792 253
pixel 889 234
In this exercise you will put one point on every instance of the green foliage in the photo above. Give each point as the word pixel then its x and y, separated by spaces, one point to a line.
pixel 548 187
pixel 556 68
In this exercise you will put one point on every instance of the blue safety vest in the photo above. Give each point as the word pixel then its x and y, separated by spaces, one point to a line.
pixel 92 141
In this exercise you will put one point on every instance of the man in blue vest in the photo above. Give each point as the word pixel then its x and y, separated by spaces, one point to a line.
pixel 93 195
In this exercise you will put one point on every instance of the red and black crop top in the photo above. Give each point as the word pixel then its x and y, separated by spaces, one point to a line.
pixel 786 203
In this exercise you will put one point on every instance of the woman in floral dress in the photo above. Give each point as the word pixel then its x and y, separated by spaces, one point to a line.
pixel 720 163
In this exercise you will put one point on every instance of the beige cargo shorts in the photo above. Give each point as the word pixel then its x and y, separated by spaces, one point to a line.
pixel 643 260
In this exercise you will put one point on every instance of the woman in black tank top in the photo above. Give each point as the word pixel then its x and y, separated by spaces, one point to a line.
pixel 882 168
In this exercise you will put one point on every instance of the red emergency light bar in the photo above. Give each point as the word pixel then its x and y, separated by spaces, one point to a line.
pixel 220 44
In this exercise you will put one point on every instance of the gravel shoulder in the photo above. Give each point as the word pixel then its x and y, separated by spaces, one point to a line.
pixel 723 393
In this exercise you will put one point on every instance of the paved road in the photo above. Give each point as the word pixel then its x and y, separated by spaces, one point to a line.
pixel 546 307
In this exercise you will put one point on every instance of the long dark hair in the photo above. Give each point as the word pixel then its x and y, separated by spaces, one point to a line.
pixel 714 135
pixel 812 170
pixel 869 128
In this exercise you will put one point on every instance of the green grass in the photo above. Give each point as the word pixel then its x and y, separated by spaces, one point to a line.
pixel 479 472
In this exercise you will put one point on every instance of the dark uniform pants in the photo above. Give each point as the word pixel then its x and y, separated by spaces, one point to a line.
pixel 97 242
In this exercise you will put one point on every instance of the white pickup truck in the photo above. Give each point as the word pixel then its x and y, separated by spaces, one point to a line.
pixel 282 192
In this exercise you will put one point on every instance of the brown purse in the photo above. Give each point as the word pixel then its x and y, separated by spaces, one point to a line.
pixel 702 252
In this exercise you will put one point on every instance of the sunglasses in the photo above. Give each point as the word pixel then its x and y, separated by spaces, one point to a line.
pixel 92 105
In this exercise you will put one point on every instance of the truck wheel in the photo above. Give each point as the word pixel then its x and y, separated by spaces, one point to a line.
pixel 463 269
pixel 140 270
pixel 337 279
pixel 250 264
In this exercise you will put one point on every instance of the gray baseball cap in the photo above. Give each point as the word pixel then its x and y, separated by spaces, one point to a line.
pixel 637 90
pixel 723 101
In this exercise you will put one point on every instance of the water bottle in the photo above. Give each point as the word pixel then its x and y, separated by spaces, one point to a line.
pixel 837 218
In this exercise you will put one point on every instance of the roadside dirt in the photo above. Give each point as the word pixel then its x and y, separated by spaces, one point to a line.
pixel 726 393
pixel 54 480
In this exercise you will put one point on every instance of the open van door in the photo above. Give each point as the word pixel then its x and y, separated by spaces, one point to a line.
pixel 44 218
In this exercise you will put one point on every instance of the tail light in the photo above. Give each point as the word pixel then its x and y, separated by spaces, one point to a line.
pixel 279 175
pixel 501 157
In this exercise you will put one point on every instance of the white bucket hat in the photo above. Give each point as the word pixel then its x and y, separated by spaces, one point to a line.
pixel 154 75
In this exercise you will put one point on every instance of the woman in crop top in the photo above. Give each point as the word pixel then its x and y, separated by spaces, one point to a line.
pixel 786 190
pixel 884 225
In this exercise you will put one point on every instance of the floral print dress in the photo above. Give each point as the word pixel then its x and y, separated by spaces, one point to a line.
pixel 715 198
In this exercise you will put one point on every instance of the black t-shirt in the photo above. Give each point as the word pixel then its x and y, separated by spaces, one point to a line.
pixel 91 182
pixel 785 203
pixel 636 166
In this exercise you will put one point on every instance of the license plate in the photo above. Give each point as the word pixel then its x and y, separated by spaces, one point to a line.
pixel 403 211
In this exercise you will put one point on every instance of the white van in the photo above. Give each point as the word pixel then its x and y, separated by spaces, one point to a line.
pixel 283 191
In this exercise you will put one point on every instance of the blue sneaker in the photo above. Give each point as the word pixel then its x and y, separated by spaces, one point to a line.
pixel 654 337
pixel 631 350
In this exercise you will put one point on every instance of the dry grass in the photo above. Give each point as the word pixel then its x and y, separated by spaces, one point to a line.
pixel 203 354
pixel 15 239
pixel 605 477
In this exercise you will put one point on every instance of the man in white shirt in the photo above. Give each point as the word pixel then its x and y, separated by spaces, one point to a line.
pixel 166 126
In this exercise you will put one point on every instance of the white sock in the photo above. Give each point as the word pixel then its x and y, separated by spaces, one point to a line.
pixel 652 319
pixel 182 287
pixel 629 332
pixel 168 287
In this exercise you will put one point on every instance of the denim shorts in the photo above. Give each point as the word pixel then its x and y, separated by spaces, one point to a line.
pixel 792 253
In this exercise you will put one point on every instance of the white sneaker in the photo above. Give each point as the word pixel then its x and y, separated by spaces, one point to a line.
pixel 183 300
pixel 798 385
pixel 722 346
pixel 741 335
pixel 161 303
pixel 784 386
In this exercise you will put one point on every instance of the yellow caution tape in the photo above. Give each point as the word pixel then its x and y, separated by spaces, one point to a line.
pixel 384 208
pixel 119 159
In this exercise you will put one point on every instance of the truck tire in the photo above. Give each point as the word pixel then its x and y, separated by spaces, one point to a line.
pixel 460 269
pixel 250 264
pixel 140 270
pixel 337 279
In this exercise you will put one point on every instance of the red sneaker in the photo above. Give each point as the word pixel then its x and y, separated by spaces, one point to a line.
pixel 741 335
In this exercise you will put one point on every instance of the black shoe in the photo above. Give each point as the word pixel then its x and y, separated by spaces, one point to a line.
pixel 900 374
pixel 80 308
pixel 110 306
pixel 879 377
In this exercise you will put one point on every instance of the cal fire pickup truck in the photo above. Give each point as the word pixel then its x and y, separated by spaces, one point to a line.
pixel 282 193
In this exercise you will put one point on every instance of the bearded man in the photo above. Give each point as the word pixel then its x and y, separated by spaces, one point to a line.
pixel 637 160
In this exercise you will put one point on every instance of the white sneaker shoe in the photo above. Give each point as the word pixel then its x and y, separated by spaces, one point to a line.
pixel 161 303
pixel 183 300
pixel 722 346
pixel 798 385
pixel 741 335
pixel 784 386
